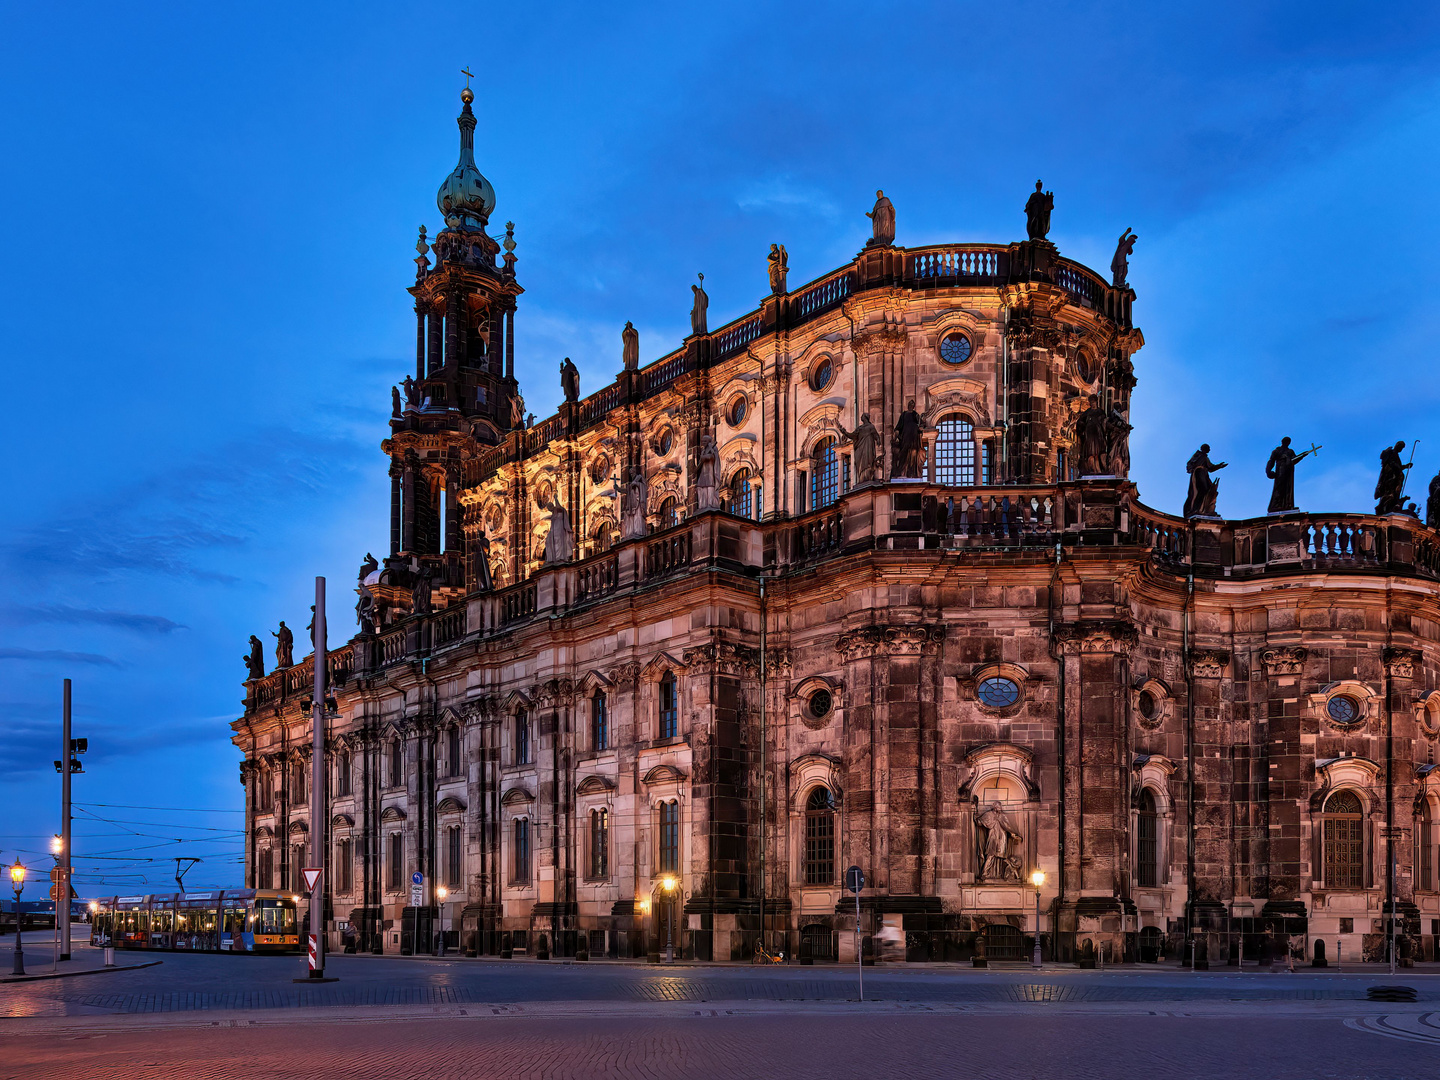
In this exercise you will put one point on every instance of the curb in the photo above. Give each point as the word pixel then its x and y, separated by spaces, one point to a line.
pixel 74 974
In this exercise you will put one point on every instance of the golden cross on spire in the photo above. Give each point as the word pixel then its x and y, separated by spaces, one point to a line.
pixel 468 76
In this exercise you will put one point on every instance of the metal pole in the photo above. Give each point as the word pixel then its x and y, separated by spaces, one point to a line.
pixel 859 947
pixel 19 968
pixel 317 786
pixel 763 620
pixel 1035 961
pixel 63 891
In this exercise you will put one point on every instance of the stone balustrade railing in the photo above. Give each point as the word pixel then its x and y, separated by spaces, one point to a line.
pixel 907 516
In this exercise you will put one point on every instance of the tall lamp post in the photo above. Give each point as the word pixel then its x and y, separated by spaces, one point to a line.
pixel 1038 880
pixel 668 883
pixel 17 878
pixel 440 894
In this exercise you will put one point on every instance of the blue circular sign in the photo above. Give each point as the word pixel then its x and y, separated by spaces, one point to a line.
pixel 417 878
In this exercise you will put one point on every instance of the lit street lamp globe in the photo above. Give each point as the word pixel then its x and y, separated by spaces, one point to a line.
pixel 1038 878
pixel 17 874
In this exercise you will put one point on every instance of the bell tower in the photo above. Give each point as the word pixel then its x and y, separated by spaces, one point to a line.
pixel 463 396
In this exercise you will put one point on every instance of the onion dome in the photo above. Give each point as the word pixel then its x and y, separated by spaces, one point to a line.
pixel 466 198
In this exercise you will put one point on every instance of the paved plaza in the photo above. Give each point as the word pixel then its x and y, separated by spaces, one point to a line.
pixel 239 1016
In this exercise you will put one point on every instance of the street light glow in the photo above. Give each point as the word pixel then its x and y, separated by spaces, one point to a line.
pixel 57 845
pixel 667 883
pixel 17 874
pixel 1037 878
pixel 94 906
pixel 441 892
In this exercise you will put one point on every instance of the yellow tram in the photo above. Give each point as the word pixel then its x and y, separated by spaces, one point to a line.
pixel 239 920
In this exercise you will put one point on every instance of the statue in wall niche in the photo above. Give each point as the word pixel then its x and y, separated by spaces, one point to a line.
pixel 866 441
pixel 485 582
pixel 420 592
pixel 1392 480
pixel 707 483
pixel 1037 211
pixel 559 541
pixel 779 264
pixel 634 508
pixel 699 307
pixel 412 390
pixel 255 659
pixel 882 220
pixel 997 861
pixel 570 380
pixel 365 609
pixel 908 459
pixel 395 401
pixel 630 346
pixel 1281 469
pixel 1204 488
pixel 1432 505
pixel 1092 431
pixel 1120 264
pixel 369 566
pixel 284 646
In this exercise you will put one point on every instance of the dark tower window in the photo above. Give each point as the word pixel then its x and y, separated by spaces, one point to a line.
pixel 397 764
pixel 738 501
pixel 669 838
pixel 1147 837
pixel 819 838
pixel 669 706
pixel 522 851
pixel 522 738
pixel 1344 842
pixel 396 863
pixel 955 452
pixel 600 844
pixel 599 723
pixel 452 856
pixel 824 475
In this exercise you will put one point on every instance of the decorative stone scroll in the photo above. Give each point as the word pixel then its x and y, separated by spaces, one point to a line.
pixel 1400 663
pixel 556 692
pixel 626 674
pixel 723 657
pixel 1105 636
pixel 1285 660
pixel 1208 663
pixel 887 640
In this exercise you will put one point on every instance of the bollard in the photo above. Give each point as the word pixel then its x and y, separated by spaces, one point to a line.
pixel 109 956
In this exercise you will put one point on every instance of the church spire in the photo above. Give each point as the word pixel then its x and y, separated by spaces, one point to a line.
pixel 466 197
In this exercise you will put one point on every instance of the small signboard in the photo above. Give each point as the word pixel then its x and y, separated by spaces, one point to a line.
pixel 417 889
pixel 312 877
pixel 854 879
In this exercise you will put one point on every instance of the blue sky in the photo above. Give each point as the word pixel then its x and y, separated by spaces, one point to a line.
pixel 209 219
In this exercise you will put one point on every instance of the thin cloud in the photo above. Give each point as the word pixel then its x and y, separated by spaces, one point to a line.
pixel 60 656
pixel 73 616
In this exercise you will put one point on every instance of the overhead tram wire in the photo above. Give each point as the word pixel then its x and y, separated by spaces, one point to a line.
pixel 176 809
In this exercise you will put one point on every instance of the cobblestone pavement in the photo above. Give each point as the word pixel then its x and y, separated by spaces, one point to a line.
pixel 796 1041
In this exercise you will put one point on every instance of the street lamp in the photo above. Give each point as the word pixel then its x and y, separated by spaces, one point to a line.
pixel 1038 880
pixel 668 883
pixel 440 893
pixel 17 878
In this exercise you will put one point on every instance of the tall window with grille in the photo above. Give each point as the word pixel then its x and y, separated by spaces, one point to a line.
pixel 395 862
pixel 522 738
pixel 265 870
pixel 669 707
pixel 1425 845
pixel 452 856
pixel 521 869
pixel 819 838
pixel 738 499
pixel 824 474
pixel 297 783
pixel 397 763
pixel 1344 842
pixel 345 866
pixel 955 452
pixel 600 844
pixel 342 773
pixel 1147 837
pixel 297 860
pixel 669 838
pixel 455 757
pixel 265 791
pixel 669 512
pixel 599 723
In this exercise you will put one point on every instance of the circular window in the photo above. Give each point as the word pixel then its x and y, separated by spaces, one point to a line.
pixel 820 704
pixel 955 348
pixel 1149 705
pixel 664 442
pixel 738 408
pixel 998 692
pixel 600 469
pixel 1343 709
pixel 1085 366
pixel 821 376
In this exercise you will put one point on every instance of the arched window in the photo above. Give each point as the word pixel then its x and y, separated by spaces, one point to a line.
pixel 955 452
pixel 1425 849
pixel 297 783
pixel 342 773
pixel 397 763
pixel 456 754
pixel 522 738
pixel 265 791
pixel 670 838
pixel 824 474
pixel 1147 842
pixel 737 499
pixel 819 838
pixel 522 851
pixel 669 707
pixel 1344 842
pixel 600 844
pixel 669 512
pixel 604 537
pixel 266 869
pixel 599 723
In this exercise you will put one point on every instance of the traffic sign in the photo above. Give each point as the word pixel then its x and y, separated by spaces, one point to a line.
pixel 854 879
pixel 417 878
pixel 417 889
pixel 57 873
pixel 312 877
pixel 55 892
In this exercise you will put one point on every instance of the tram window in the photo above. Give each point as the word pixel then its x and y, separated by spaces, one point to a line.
pixel 234 920
pixel 161 921
pixel 275 919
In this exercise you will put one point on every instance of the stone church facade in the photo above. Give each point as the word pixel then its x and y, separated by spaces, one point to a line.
pixel 662 666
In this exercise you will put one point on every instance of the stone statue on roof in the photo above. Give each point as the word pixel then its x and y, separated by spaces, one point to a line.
pixel 882 220
pixel 284 646
pixel 1037 211
pixel 1391 484
pixel 866 441
pixel 699 308
pixel 559 541
pixel 1204 488
pixel 630 346
pixel 1120 264
pixel 255 659
pixel 779 264
pixel 1281 469
pixel 707 483
pixel 908 460
pixel 570 380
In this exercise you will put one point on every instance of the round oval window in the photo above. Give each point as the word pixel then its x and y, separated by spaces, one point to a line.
pixel 1149 705
pixel 666 441
pixel 821 376
pixel 738 408
pixel 1343 709
pixel 998 692
pixel 955 348
pixel 820 703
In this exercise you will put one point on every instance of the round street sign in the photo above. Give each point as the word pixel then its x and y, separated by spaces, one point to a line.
pixel 417 878
pixel 854 879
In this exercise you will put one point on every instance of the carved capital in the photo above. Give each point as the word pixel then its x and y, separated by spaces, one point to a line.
pixel 1208 663
pixel 1098 637
pixel 887 640
pixel 723 657
pixel 556 692
pixel 626 674
pixel 1284 660
pixel 1400 663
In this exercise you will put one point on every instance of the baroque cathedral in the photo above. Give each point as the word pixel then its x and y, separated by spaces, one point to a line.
pixel 856 579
